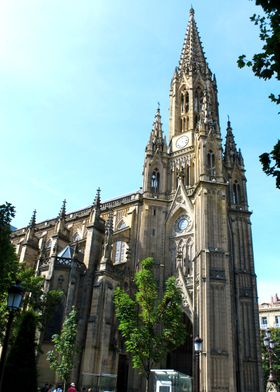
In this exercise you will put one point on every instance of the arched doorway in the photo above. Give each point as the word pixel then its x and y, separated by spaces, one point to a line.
pixel 181 359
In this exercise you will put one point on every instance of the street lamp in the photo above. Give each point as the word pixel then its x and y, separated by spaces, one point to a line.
pixel 197 349
pixel 269 345
pixel 15 295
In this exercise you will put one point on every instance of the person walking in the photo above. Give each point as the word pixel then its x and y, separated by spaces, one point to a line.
pixel 72 388
pixel 58 388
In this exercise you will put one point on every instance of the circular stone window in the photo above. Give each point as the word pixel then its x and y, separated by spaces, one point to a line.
pixel 182 223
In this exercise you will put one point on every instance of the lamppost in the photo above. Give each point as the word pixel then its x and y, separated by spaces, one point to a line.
pixel 15 295
pixel 269 345
pixel 197 349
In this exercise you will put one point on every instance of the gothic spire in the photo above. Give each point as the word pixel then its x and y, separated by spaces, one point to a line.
pixel 231 154
pixel 96 201
pixel 62 212
pixel 157 140
pixel 96 207
pixel 32 222
pixel 192 55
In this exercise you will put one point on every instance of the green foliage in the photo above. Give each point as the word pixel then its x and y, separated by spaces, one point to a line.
pixel 268 167
pixel 32 285
pixel 150 326
pixel 20 370
pixel 11 271
pixel 266 65
pixel 61 357
pixel 275 336
pixel 8 261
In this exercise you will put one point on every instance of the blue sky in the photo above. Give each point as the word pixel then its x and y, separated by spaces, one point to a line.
pixel 79 86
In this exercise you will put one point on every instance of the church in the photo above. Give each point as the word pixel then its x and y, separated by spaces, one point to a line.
pixel 192 216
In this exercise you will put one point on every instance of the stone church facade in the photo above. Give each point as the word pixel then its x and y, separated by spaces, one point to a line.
pixel 192 217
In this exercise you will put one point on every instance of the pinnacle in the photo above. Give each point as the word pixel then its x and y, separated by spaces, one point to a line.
pixel 230 145
pixel 156 137
pixel 62 212
pixel 96 201
pixel 32 222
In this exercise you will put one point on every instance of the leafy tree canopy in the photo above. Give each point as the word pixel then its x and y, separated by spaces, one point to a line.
pixel 151 326
pixel 8 260
pixel 266 65
pixel 61 357
pixel 11 271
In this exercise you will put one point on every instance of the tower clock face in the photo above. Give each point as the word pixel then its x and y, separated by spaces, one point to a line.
pixel 182 223
pixel 182 141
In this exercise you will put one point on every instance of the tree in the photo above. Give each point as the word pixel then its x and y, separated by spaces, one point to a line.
pixel 20 369
pixel 61 357
pixel 150 326
pixel 268 167
pixel 8 261
pixel 275 336
pixel 266 65
pixel 11 271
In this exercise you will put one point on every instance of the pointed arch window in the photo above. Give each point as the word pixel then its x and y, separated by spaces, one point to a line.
pixel 236 193
pixel 196 120
pixel 121 225
pixel 211 163
pixel 184 125
pixel 155 179
pixel 239 193
pixel 120 252
pixel 187 102
pixel 198 100
pixel 182 102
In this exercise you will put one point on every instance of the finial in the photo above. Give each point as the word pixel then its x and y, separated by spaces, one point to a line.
pixel 96 202
pixel 228 122
pixel 158 106
pixel 32 222
pixel 62 212
pixel 191 11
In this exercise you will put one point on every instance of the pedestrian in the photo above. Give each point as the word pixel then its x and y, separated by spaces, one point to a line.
pixel 72 388
pixel 45 388
pixel 58 388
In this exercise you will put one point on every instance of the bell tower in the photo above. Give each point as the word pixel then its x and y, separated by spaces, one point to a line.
pixel 208 242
